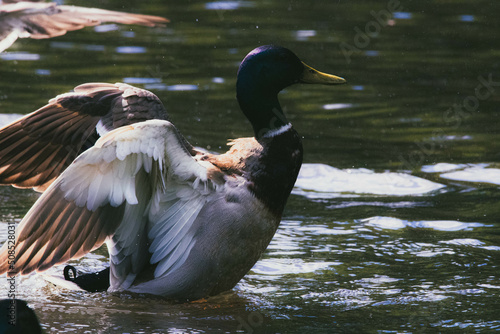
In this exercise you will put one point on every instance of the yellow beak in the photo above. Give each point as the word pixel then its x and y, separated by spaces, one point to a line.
pixel 312 76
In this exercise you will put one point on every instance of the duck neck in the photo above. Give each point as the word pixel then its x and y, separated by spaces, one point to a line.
pixel 274 176
pixel 262 109
pixel 274 173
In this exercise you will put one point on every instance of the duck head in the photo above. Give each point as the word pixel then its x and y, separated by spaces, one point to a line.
pixel 263 73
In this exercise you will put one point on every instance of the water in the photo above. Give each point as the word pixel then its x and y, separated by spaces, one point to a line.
pixel 394 224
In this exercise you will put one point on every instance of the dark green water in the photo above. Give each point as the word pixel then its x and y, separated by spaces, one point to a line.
pixel 357 252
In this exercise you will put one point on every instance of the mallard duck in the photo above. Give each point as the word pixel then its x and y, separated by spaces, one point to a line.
pixel 178 222
pixel 23 19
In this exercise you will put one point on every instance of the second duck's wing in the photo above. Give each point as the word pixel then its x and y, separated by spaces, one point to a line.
pixel 45 20
pixel 138 188
pixel 35 149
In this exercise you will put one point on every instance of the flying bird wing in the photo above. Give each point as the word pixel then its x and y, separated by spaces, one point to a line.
pixel 44 20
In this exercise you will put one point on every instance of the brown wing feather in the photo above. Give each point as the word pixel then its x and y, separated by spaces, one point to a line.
pixel 36 149
pixel 47 239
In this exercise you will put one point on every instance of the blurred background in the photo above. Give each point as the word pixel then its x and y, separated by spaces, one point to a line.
pixel 393 226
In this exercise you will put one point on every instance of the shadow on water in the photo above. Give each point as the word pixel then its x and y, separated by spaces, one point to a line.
pixel 394 227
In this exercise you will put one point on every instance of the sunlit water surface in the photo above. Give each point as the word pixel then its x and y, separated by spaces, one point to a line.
pixel 393 226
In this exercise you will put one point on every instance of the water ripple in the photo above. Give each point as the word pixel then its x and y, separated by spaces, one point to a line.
pixel 23 56
pixel 470 243
pixel 303 35
pixel 467 18
pixel 335 106
pixel 438 225
pixel 106 27
pixel 289 266
pixel 477 173
pixel 162 86
pixel 136 80
pixel 402 15
pixel 130 49
pixel 323 181
pixel 228 5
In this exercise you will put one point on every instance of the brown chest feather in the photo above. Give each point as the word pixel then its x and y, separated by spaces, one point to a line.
pixel 270 166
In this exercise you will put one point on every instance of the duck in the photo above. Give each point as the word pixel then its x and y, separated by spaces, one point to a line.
pixel 178 222
pixel 27 19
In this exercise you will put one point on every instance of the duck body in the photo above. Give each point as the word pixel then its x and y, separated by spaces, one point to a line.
pixel 178 222
pixel 217 263
pixel 257 179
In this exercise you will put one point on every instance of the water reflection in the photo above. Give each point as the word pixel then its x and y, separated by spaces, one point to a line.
pixel 132 80
pixel 8 118
pixel 22 56
pixel 180 87
pixel 62 45
pixel 130 49
pixel 479 172
pixel 43 72
pixel 471 243
pixel 335 106
pixel 318 180
pixel 475 174
pixel 289 266
pixel 218 80
pixel 438 225
pixel 106 28
pixel 402 15
pixel 304 35
pixel 467 18
pixel 228 5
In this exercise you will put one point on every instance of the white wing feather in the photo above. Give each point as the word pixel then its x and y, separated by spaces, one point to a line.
pixel 144 170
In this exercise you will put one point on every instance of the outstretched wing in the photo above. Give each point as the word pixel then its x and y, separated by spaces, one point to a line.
pixel 45 20
pixel 37 148
pixel 139 188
